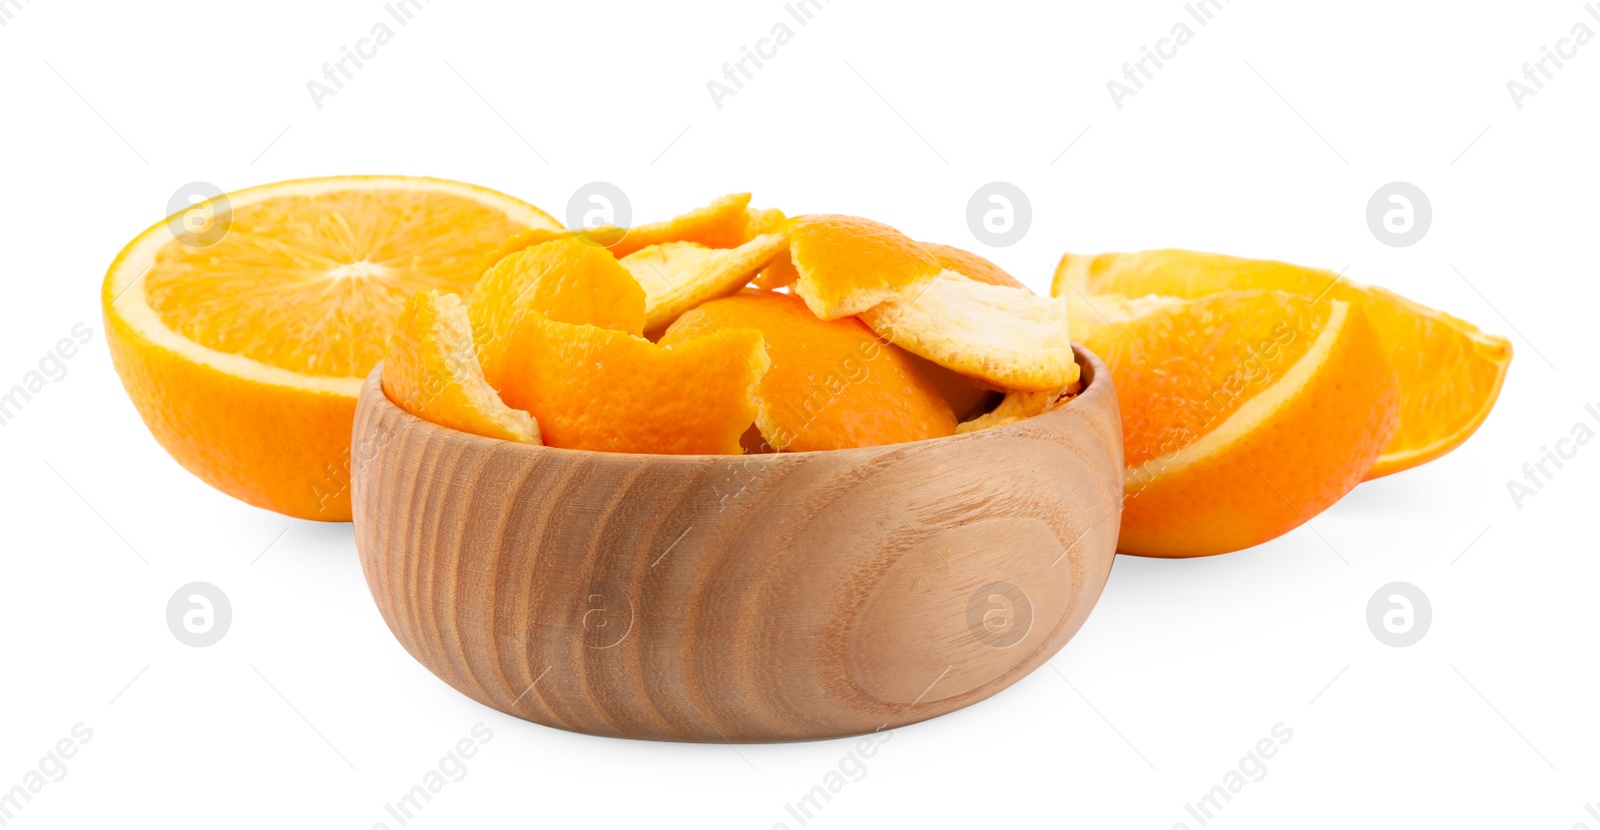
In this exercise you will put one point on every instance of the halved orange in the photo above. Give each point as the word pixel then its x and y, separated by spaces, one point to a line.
pixel 1244 414
pixel 833 384
pixel 431 370
pixel 1450 372
pixel 245 357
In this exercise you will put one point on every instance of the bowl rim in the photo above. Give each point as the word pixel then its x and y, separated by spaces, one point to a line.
pixel 1092 368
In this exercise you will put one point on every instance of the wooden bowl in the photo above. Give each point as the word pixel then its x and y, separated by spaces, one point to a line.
pixel 738 598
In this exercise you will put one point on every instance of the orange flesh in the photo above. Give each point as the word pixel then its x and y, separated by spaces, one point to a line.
pixel 1190 367
pixel 313 284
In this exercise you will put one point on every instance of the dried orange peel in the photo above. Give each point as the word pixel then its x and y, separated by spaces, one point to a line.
pixel 677 276
pixel 431 370
pixel 1450 372
pixel 833 384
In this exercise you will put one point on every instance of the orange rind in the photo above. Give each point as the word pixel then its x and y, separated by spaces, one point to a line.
pixel 833 384
pixel 431 370
pixel 971 266
pixel 591 388
pixel 727 222
pixel 1003 336
pixel 677 276
pixel 847 264
pixel 564 280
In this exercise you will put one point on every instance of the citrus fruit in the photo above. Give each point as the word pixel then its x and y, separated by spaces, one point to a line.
pixel 833 384
pixel 1450 372
pixel 431 370
pixel 591 388
pixel 677 276
pixel 1244 414
pixel 244 356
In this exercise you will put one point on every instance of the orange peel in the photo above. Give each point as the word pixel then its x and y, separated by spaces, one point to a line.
pixel 597 389
pixel 1003 336
pixel 971 266
pixel 431 370
pixel 677 276
pixel 833 383
pixel 847 264
pixel 564 280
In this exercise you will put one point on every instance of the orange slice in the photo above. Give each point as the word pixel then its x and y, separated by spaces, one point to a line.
pixel 431 370
pixel 1450 372
pixel 565 280
pixel 848 264
pixel 1003 336
pixel 971 266
pixel 677 276
pixel 1244 414
pixel 596 389
pixel 833 384
pixel 245 357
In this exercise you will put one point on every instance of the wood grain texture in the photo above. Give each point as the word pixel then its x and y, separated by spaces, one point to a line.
pixel 738 598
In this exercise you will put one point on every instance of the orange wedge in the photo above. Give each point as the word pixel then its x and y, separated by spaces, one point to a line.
pixel 833 384
pixel 245 357
pixel 591 388
pixel 1450 372
pixel 431 370
pixel 1244 414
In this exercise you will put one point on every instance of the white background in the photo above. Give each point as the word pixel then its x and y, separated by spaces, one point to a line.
pixel 1265 136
